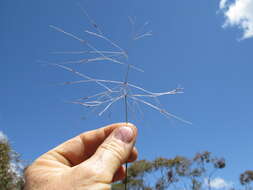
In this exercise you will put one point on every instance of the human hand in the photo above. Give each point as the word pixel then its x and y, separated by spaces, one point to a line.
pixel 90 161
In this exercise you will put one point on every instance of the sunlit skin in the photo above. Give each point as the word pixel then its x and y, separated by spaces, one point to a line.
pixel 91 160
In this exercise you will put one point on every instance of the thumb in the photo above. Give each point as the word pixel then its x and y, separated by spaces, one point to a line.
pixel 113 152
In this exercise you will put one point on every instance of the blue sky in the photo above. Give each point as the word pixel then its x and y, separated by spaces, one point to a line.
pixel 203 46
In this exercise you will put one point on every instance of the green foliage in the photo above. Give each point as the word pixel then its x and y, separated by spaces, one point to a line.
pixel 10 178
pixel 139 168
pixel 175 173
pixel 246 177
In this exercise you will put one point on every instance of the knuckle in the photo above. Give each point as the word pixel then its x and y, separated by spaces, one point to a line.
pixel 116 150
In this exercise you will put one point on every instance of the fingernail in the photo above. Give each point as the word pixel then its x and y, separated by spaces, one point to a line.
pixel 124 134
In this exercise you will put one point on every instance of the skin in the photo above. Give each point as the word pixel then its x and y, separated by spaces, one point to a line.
pixel 89 161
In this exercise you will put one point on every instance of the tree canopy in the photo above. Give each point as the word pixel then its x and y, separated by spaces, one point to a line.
pixel 11 177
pixel 196 173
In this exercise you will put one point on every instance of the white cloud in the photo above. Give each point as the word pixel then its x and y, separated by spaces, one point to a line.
pixel 3 137
pixel 16 168
pixel 219 183
pixel 223 4
pixel 240 14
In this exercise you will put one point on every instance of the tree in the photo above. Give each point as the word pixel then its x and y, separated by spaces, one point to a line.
pixel 246 178
pixel 177 173
pixel 11 177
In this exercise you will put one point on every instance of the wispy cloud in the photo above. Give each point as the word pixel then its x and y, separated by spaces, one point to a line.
pixel 219 183
pixel 3 137
pixel 16 168
pixel 223 4
pixel 238 13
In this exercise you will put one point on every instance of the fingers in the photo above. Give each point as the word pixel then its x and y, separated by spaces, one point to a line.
pixel 113 152
pixel 82 147
pixel 120 174
pixel 133 156
pixel 93 139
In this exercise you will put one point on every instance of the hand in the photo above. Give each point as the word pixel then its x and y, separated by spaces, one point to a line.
pixel 90 161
